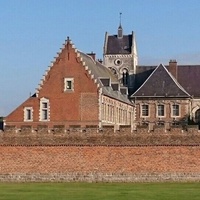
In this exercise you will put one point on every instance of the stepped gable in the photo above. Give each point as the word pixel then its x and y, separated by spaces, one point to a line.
pixel 117 45
pixel 56 60
pixel 160 84
pixel 104 77
pixel 96 68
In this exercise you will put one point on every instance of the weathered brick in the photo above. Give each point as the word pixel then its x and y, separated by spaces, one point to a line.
pixel 99 163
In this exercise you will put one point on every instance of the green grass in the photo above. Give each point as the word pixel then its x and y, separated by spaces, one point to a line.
pixel 100 191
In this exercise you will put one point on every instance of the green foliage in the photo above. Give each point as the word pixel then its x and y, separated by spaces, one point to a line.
pixel 99 191
pixel 1 119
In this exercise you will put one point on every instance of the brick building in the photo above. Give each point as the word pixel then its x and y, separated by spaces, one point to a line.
pixel 167 94
pixel 76 91
pixel 162 94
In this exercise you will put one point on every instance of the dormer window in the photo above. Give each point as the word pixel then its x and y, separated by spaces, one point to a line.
pixel 68 84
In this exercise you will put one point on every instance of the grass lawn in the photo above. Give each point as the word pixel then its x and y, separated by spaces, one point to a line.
pixel 100 191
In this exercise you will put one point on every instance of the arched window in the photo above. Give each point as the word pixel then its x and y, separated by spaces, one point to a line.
pixel 197 116
pixel 125 77
pixel 113 70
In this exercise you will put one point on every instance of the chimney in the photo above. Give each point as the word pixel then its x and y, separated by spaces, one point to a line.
pixel 100 61
pixel 93 55
pixel 173 69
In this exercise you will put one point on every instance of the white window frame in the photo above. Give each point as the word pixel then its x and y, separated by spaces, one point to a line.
pixel 68 88
pixel 158 110
pixel 44 111
pixel 172 110
pixel 142 110
pixel 28 117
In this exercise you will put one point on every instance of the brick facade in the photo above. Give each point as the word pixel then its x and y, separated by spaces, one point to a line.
pixel 70 95
pixel 153 116
pixel 65 107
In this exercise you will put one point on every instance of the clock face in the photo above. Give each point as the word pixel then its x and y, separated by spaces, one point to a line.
pixel 118 62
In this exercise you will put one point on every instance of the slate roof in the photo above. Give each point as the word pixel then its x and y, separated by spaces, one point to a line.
pixel 160 84
pixel 117 45
pixel 100 71
pixel 188 77
pixel 142 73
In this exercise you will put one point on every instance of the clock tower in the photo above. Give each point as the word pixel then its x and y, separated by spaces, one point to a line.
pixel 120 56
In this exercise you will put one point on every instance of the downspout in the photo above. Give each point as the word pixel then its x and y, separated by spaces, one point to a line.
pixel 100 108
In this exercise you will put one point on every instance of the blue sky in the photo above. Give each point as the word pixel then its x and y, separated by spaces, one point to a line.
pixel 32 31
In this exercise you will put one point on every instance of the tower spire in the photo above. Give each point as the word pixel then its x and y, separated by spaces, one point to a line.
pixel 120 19
pixel 120 30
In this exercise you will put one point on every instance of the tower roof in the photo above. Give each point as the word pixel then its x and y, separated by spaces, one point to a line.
pixel 119 46
pixel 120 29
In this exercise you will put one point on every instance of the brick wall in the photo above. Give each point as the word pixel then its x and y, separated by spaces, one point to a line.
pixel 99 163
pixel 100 155
pixel 91 135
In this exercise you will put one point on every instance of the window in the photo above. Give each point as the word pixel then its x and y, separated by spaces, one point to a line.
pixel 28 114
pixel 68 84
pixel 118 62
pixel 145 110
pixel 125 77
pixel 44 109
pixel 175 110
pixel 161 110
pixel 197 116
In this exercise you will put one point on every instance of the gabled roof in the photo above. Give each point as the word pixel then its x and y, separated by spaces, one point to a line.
pixel 142 73
pixel 104 77
pixel 160 84
pixel 97 69
pixel 188 77
pixel 117 45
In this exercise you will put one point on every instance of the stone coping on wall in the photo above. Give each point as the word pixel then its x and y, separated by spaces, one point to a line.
pixel 98 139
pixel 151 127
pixel 107 135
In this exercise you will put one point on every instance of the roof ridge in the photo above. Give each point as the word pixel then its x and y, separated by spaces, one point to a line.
pixel 146 80
pixel 176 82
pixel 169 74
pixel 106 90
pixel 87 55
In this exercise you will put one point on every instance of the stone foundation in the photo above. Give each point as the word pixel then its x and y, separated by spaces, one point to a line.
pixel 99 177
